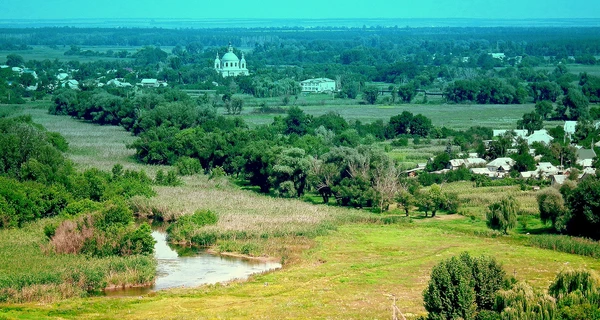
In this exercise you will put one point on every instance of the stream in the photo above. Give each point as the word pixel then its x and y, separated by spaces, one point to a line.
pixel 183 267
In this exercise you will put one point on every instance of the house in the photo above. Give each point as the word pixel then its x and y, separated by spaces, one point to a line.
pixel 585 154
pixel 62 76
pixel 318 85
pixel 559 179
pixel 118 84
pixel 585 163
pixel 587 172
pixel 501 165
pixel 547 169
pixel 475 162
pixel 482 171
pixel 455 164
pixel 539 136
pixel 498 55
pixel 570 128
pixel 151 83
pixel 529 174
pixel 72 84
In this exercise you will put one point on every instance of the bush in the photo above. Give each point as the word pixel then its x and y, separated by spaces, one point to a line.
pixel 400 142
pixel 188 228
pixel 187 166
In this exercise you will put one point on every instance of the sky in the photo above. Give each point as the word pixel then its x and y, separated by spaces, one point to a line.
pixel 304 9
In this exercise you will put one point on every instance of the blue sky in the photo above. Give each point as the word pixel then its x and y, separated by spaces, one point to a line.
pixel 202 9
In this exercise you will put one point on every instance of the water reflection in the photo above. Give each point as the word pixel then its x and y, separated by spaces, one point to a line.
pixel 192 268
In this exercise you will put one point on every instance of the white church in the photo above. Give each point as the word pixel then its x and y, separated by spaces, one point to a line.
pixel 230 65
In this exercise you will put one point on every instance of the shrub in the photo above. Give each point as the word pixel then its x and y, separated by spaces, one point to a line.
pixel 188 228
pixel 187 166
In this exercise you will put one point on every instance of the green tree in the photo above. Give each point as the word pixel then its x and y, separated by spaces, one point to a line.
pixel 502 215
pixel 236 105
pixel 577 103
pixel 405 200
pixel 399 124
pixel 531 121
pixel 544 108
pixel 14 60
pixel 420 125
pixel 370 94
pixel 407 92
pixel 449 293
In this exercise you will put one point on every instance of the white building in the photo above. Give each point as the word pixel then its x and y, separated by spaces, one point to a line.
pixel 318 85
pixel 230 65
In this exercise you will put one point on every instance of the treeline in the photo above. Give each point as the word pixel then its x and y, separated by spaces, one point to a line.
pixel 296 153
pixel 37 181
pixel 551 41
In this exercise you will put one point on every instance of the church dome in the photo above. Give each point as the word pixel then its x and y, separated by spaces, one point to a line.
pixel 230 56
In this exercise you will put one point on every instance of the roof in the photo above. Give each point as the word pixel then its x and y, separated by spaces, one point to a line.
pixel 480 170
pixel 317 80
pixel 540 136
pixel 153 81
pixel 583 154
pixel 500 162
pixel 475 161
pixel 457 162
pixel 570 126
pixel 559 178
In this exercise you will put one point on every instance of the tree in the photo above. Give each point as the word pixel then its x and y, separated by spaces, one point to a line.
pixel 236 105
pixel 296 121
pixel 577 103
pixel 385 183
pixel 407 92
pixel 370 94
pixel 399 124
pixel 405 200
pixel 552 209
pixel 14 60
pixel 502 215
pixel 584 205
pixel 544 108
pixel 462 287
pixel 290 172
pixel 420 125
pixel 449 293
pixel 437 198
pixel 531 121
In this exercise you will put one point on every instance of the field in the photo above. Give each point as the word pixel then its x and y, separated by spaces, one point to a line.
pixel 41 53
pixel 338 263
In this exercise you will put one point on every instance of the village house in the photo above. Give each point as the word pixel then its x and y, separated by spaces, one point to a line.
pixel 318 85
pixel 540 136
pixel 585 157
pixel 501 165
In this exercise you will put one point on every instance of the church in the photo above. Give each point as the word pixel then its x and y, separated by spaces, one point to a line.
pixel 230 65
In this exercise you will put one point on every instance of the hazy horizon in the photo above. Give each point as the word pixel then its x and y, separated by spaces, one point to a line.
pixel 307 9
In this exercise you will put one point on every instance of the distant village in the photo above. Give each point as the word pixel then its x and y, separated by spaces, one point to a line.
pixel 501 167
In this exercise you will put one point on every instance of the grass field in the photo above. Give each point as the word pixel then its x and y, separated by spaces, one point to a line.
pixel 449 115
pixel 342 262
